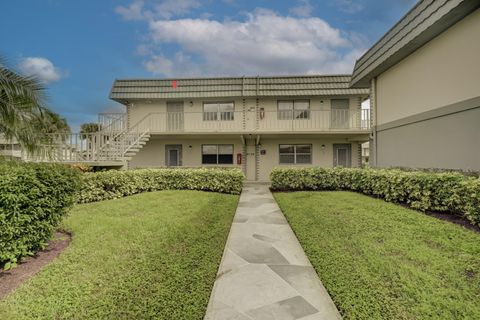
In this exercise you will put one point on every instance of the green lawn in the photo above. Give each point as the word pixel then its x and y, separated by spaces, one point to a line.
pixel 381 261
pixel 149 256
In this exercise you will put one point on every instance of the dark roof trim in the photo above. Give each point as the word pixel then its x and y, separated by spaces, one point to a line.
pixel 426 20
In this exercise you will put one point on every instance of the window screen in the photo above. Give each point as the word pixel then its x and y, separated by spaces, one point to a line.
pixel 293 109
pixel 295 153
pixel 223 111
pixel 217 154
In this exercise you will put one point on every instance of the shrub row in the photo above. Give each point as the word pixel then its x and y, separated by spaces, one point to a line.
pixel 447 192
pixel 33 199
pixel 116 184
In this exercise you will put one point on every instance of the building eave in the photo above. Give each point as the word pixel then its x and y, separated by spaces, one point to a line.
pixel 426 20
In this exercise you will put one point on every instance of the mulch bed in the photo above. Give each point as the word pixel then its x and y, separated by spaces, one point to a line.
pixel 11 279
pixel 445 216
pixel 454 218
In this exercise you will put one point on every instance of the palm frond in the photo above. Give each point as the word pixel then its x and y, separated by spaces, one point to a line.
pixel 23 113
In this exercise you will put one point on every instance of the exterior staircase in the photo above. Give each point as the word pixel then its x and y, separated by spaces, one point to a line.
pixel 112 146
pixel 123 146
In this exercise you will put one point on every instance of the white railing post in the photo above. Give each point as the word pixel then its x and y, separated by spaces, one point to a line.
pixel 109 144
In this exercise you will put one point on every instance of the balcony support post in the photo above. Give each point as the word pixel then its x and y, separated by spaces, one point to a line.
pixel 257 114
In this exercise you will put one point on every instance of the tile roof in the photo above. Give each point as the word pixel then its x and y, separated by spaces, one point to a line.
pixel 126 89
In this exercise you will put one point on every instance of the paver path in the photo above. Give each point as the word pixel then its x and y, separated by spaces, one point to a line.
pixel 264 273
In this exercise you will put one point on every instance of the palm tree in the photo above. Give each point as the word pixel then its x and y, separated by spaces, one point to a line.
pixel 90 127
pixel 23 115
pixel 54 124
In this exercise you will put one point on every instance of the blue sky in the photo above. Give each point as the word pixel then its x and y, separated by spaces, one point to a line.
pixel 79 47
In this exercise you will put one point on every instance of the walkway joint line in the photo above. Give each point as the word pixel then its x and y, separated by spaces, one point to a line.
pixel 264 273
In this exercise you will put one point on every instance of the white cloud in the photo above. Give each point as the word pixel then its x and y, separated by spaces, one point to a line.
pixel 179 65
pixel 165 9
pixel 133 12
pixel 159 64
pixel 303 9
pixel 170 8
pixel 40 67
pixel 265 43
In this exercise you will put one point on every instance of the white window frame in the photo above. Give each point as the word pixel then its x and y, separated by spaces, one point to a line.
pixel 295 153
pixel 293 113
pixel 217 154
pixel 218 115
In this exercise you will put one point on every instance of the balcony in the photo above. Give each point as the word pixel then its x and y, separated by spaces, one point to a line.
pixel 305 121
pixel 11 153
pixel 112 121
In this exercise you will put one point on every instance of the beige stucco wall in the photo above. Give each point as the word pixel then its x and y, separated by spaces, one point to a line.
pixel 320 157
pixel 444 71
pixel 141 108
pixel 451 142
pixel 316 103
pixel 153 153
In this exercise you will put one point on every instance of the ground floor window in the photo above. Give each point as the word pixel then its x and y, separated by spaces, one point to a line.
pixel 295 153
pixel 217 154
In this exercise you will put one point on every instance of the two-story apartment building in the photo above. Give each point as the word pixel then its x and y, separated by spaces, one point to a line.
pixel 424 76
pixel 10 148
pixel 253 123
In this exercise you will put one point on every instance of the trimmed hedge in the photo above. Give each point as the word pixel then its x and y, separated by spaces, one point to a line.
pixel 33 200
pixel 35 197
pixel 116 184
pixel 446 192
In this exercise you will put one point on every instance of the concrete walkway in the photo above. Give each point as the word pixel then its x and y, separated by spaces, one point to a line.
pixel 264 273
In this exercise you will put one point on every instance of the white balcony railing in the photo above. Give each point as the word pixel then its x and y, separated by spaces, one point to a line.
pixel 237 121
pixel 11 153
pixel 314 120
pixel 112 122
pixel 90 147
pixel 114 144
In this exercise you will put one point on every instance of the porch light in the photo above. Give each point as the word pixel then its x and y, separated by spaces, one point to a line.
pixel 322 146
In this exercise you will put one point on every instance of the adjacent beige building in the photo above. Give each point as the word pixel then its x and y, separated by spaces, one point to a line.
pixel 252 123
pixel 10 148
pixel 424 76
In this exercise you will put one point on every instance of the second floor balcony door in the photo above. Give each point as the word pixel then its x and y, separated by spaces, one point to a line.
pixel 175 116
pixel 340 114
